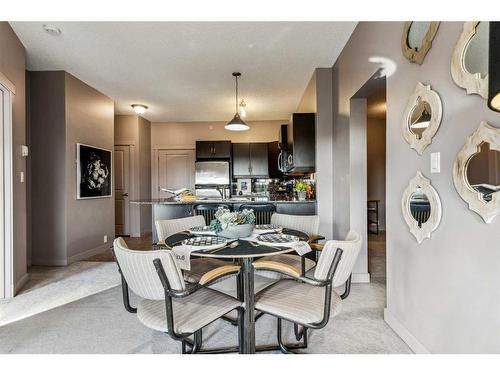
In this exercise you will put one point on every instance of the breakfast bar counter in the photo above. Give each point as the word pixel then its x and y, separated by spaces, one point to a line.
pixel 169 208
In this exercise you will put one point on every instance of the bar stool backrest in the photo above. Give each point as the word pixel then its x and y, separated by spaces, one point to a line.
pixel 263 212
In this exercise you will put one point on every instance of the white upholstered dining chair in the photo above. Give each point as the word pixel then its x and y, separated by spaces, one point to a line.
pixel 167 304
pixel 309 302
pixel 308 224
pixel 199 267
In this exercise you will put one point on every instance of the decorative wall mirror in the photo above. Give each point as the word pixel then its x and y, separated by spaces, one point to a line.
pixel 469 62
pixel 476 172
pixel 422 117
pixel 417 38
pixel 421 207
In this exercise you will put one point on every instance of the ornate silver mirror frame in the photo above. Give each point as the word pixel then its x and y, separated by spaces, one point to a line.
pixel 417 55
pixel 421 184
pixel 471 82
pixel 485 133
pixel 426 94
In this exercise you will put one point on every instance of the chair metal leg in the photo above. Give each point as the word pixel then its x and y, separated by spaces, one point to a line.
pixel 126 298
pixel 299 334
pixel 195 345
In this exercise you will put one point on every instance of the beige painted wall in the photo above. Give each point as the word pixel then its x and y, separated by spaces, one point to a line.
pixel 13 66
pixel 145 172
pixel 136 131
pixel 185 134
pixel 375 135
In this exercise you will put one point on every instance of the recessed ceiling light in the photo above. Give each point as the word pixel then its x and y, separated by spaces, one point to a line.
pixel 139 108
pixel 52 30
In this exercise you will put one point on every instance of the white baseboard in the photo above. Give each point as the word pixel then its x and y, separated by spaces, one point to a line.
pixel 88 253
pixel 405 335
pixel 21 282
pixel 360 277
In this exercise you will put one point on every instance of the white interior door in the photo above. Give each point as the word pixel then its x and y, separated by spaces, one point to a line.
pixel 6 218
pixel 121 159
pixel 175 170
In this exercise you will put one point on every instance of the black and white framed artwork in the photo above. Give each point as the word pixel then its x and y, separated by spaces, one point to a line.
pixel 93 172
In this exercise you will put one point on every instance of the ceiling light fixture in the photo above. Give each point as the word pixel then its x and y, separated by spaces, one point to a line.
pixel 237 124
pixel 494 68
pixel 139 108
pixel 243 110
pixel 52 30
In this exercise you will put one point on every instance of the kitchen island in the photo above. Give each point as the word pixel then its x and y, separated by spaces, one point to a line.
pixel 170 208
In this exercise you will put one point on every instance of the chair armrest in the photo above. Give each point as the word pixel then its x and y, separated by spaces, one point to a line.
pixel 287 270
pixel 217 273
pixel 190 289
pixel 270 265
pixel 317 246
pixel 314 238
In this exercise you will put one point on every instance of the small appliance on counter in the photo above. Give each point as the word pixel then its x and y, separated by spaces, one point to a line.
pixel 212 179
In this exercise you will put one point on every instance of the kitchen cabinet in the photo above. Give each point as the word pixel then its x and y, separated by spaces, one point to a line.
pixel 250 160
pixel 302 142
pixel 273 154
pixel 213 150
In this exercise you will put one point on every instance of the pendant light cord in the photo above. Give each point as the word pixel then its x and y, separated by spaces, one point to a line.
pixel 237 111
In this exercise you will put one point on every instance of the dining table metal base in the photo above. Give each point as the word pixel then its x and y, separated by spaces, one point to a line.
pixel 246 329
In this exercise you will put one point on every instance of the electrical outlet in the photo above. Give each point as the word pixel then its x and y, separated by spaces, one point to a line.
pixel 105 238
pixel 21 177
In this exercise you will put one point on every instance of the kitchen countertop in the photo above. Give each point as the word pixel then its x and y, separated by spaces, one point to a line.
pixel 215 201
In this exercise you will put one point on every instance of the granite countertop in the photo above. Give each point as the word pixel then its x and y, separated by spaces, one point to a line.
pixel 214 201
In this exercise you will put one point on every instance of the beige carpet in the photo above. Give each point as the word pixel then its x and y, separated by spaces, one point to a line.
pixel 100 324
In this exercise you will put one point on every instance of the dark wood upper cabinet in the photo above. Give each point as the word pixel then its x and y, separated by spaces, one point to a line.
pixel 273 154
pixel 213 150
pixel 250 160
pixel 302 142
pixel 259 160
pixel 241 159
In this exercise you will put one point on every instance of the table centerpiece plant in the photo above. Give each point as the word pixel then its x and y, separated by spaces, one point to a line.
pixel 233 224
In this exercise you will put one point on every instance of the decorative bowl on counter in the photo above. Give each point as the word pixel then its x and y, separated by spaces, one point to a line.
pixel 233 225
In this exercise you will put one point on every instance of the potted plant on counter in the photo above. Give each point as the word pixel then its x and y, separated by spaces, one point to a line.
pixel 300 188
pixel 233 224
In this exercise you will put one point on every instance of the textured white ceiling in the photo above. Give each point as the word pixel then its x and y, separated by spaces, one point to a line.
pixel 182 70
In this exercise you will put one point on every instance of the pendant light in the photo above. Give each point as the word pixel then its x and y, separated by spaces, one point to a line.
pixel 494 67
pixel 237 124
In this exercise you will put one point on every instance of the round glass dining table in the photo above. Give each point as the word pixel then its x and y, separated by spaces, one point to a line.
pixel 244 252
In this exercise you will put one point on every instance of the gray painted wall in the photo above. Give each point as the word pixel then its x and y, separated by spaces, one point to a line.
pixel 13 66
pixel 89 120
pixel 66 111
pixel 48 139
pixel 443 294
pixel 317 98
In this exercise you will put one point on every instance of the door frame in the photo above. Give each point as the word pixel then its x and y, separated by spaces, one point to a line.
pixel 7 288
pixel 131 187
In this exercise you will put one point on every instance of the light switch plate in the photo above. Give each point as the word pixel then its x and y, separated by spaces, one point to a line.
pixel 436 162
pixel 24 151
